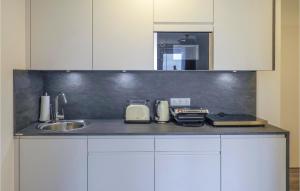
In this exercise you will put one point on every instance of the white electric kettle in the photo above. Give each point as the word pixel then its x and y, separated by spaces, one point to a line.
pixel 161 110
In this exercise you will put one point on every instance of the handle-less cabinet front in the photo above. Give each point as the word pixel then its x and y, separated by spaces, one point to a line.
pixel 243 34
pixel 189 171
pixel 127 171
pixel 189 163
pixel 61 34
pixel 118 34
pixel 123 34
pixel 148 163
pixel 253 162
pixel 53 164
pixel 183 11
pixel 121 163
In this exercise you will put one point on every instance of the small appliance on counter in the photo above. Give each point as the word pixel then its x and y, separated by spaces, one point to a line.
pixel 231 120
pixel 188 116
pixel 137 111
pixel 161 111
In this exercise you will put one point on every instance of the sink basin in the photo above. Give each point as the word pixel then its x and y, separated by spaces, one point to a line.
pixel 63 125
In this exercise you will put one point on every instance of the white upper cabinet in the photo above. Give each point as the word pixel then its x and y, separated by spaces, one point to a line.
pixel 183 11
pixel 123 35
pixel 243 34
pixel 118 34
pixel 61 34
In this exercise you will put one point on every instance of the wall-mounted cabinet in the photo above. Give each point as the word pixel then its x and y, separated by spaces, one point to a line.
pixel 123 35
pixel 183 11
pixel 183 16
pixel 243 34
pixel 61 34
pixel 119 34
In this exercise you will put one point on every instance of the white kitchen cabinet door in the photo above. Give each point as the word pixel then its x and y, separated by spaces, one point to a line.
pixel 123 35
pixel 121 171
pixel 188 143
pixel 183 11
pixel 253 162
pixel 243 34
pixel 61 34
pixel 187 171
pixel 53 164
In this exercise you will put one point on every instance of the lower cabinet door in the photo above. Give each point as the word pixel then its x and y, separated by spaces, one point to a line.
pixel 121 171
pixel 181 171
pixel 53 164
pixel 253 163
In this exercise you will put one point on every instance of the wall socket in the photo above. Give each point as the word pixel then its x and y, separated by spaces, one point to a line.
pixel 180 102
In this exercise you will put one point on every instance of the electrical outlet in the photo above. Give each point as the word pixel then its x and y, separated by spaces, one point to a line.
pixel 180 102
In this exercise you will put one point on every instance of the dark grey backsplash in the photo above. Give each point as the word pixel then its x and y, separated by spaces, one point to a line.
pixel 28 87
pixel 104 94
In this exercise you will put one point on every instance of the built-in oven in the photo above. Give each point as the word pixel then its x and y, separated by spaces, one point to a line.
pixel 182 50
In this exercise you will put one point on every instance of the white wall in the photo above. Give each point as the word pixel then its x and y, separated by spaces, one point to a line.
pixel 13 56
pixel 278 92
pixel 268 82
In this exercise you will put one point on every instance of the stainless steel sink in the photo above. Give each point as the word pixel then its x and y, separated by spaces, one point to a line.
pixel 62 125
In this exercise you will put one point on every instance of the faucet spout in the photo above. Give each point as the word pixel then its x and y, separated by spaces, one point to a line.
pixel 59 116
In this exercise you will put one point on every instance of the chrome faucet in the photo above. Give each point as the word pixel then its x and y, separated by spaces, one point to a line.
pixel 57 115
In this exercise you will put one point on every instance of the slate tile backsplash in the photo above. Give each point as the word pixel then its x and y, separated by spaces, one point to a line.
pixel 104 94
pixel 28 87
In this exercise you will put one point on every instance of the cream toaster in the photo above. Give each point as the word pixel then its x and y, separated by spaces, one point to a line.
pixel 137 112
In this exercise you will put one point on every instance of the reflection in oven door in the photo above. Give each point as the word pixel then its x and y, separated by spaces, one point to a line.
pixel 182 51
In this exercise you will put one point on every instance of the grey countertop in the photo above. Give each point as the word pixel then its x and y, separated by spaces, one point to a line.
pixel 118 127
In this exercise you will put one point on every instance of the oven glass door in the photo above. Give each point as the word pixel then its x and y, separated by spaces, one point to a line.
pixel 182 51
